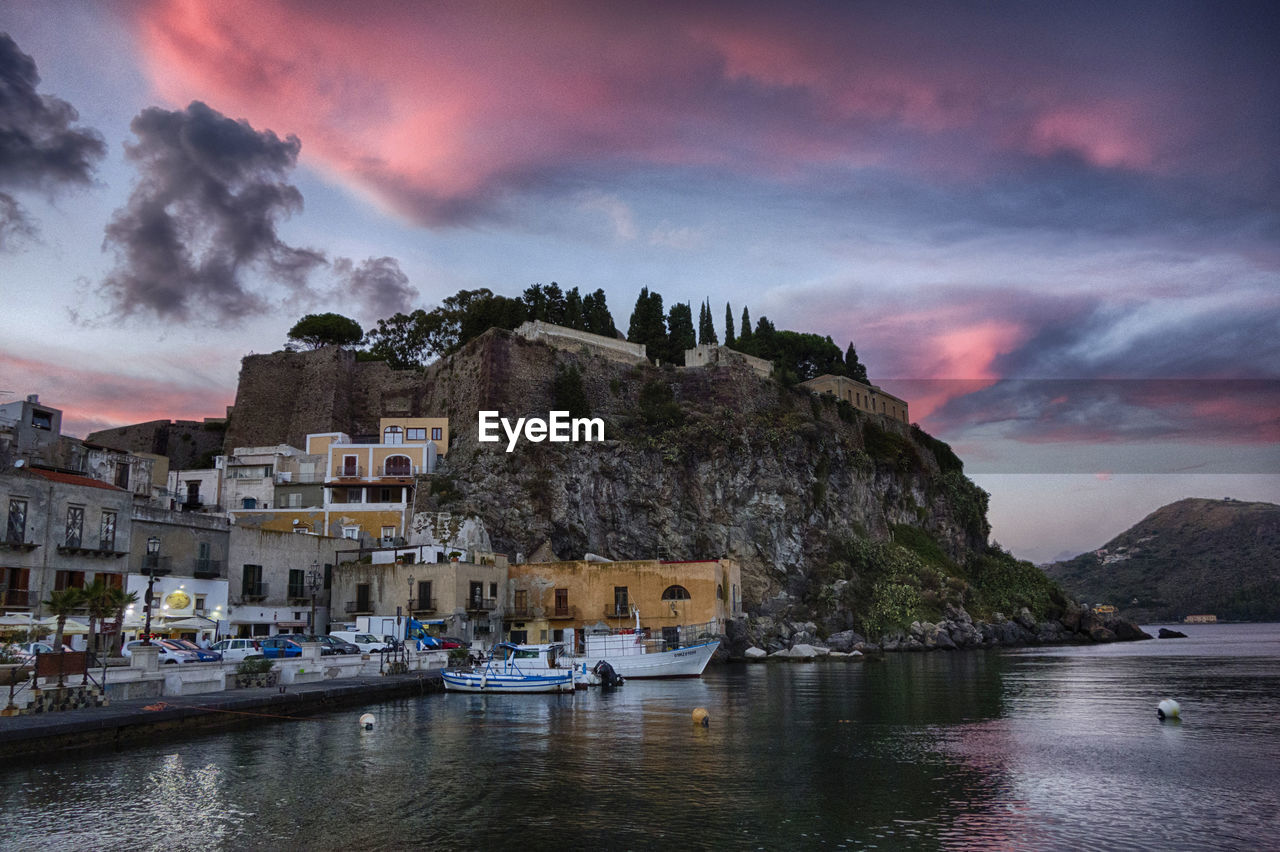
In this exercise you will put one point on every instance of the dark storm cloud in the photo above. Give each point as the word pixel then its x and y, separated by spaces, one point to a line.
pixel 202 217
pixel 40 149
pixel 378 285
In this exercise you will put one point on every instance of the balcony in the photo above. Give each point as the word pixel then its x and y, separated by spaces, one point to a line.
pixel 427 606
pixel 520 612
pixel 103 549
pixel 253 591
pixel 563 613
pixel 348 472
pixel 617 611
pixel 206 568
pixel 15 541
pixel 358 608
pixel 481 605
pixel 20 598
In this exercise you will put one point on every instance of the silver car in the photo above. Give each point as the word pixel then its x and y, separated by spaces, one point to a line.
pixel 237 649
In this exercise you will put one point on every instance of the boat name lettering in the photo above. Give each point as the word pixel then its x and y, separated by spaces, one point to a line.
pixel 684 653
pixel 558 428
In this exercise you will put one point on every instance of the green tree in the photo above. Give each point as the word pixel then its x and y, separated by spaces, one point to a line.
pixel 745 333
pixel 98 602
pixel 316 330
pixel 728 324
pixel 401 340
pixel 545 302
pixel 568 393
pixel 573 314
pixel 120 600
pixel 647 324
pixel 595 312
pixel 62 604
pixel 706 325
pixel 680 333
pixel 853 367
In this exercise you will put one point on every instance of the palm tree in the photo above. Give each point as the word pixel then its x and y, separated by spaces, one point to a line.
pixel 63 603
pixel 120 600
pixel 97 598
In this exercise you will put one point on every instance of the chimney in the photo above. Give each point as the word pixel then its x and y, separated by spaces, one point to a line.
pixel 33 398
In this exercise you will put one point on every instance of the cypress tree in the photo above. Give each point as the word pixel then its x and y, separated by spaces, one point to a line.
pixel 746 326
pixel 853 368
pixel 680 333
pixel 728 324
pixel 647 325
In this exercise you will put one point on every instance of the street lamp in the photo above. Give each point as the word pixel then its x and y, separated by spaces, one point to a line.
pixel 152 569
pixel 411 596
pixel 313 582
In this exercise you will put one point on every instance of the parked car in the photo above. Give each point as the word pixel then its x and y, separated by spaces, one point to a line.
pixel 450 642
pixel 201 654
pixel 366 642
pixel 169 654
pixel 238 649
pixel 326 650
pixel 274 647
pixel 339 646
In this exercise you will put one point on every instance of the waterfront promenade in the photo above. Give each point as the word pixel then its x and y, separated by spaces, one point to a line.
pixel 128 721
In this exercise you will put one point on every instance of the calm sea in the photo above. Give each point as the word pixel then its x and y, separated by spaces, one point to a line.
pixel 1034 749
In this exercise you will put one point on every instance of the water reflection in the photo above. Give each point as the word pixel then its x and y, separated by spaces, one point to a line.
pixel 940 750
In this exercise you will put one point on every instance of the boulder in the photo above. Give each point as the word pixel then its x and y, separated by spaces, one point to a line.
pixel 1127 631
pixel 1102 634
pixel 1166 633
pixel 754 653
pixel 1025 620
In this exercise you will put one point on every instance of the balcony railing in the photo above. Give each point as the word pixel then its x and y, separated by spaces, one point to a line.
pixel 20 597
pixel 481 604
pixel 520 611
pixel 286 477
pixel 428 605
pixel 253 591
pixel 17 542
pixel 348 472
pixel 206 568
pixel 617 611
pixel 359 607
pixel 564 612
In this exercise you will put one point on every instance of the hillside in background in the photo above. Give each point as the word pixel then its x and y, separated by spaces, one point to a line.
pixel 1220 557
pixel 851 520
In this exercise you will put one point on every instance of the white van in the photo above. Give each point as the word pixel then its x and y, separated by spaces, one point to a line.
pixel 366 642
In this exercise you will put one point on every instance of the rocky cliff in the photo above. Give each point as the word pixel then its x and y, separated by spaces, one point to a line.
pixel 849 519
pixel 1194 556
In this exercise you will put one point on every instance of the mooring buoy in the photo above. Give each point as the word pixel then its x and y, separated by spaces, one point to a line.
pixel 366 721
pixel 701 717
pixel 1168 709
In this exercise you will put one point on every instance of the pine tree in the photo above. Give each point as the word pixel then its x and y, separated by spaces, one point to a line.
pixel 647 324
pixel 573 316
pixel 595 312
pixel 680 333
pixel 728 324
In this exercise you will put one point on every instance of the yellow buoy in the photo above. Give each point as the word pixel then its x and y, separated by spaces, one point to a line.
pixel 366 721
pixel 701 717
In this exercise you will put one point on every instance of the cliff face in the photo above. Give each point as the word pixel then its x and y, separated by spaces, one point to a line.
pixel 1193 556
pixel 697 463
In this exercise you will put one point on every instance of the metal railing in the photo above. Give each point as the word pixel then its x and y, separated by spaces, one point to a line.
pixel 347 472
pixel 428 605
pixel 360 607
pixel 568 611
pixel 481 604
pixel 207 568
pixel 253 590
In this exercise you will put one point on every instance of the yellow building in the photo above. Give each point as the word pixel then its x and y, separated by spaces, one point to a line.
pixel 548 598
pixel 868 398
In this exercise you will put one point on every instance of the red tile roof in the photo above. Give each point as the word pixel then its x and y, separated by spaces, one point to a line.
pixel 72 479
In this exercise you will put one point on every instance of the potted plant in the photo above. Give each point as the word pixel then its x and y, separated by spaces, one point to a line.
pixel 256 672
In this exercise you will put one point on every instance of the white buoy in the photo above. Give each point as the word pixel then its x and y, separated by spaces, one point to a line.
pixel 366 721
pixel 1168 709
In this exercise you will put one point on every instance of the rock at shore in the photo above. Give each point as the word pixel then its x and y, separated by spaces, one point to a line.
pixel 1166 633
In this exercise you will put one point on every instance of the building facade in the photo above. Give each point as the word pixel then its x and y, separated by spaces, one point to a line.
pixel 274 578
pixel 868 398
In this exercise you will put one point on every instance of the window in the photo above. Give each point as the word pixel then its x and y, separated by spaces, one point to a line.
pixel 352 533
pixel 75 526
pixel 675 593
pixel 620 606
pixel 519 637
pixel 424 595
pixel 328 576
pixel 522 601
pixel 122 474
pixel 251 581
pixel 362 597
pixel 297 583
pixel 476 595
pixel 14 582
pixel 388 533
pixel 68 580
pixel 416 434
pixel 388 495
pixel 111 581
pixel 249 503
pixel 398 466
pixel 393 435
pixel 719 592
pixel 193 492
pixel 562 602
pixel 437 433
pixel 350 466
pixel 295 500
pixel 17 529
pixel 107 531
pixel 42 419
pixel 493 591
pixel 200 604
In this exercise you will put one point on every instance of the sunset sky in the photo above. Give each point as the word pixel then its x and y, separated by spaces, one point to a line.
pixel 1053 227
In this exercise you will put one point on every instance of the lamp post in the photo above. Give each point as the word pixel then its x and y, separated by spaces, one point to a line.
pixel 313 582
pixel 152 569
pixel 411 596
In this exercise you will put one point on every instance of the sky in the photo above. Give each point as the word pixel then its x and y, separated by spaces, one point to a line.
pixel 1053 228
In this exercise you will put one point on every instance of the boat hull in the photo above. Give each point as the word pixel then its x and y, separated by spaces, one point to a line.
pixel 681 662
pixel 504 683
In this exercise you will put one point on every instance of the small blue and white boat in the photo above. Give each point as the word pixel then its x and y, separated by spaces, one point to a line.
pixel 502 673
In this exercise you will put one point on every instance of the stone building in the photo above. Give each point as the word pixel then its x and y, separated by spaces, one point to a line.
pixel 270 581
pixel 551 601
pixel 868 398
pixel 574 340
pixel 714 355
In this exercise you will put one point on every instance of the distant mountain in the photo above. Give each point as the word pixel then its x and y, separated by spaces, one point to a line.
pixel 1193 556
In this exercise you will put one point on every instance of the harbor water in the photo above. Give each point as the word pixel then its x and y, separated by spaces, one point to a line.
pixel 1033 749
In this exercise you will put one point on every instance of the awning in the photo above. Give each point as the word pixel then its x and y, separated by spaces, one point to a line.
pixel 290 624
pixel 194 622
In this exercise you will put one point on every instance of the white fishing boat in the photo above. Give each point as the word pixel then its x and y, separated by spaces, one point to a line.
pixel 681 652
pixel 502 673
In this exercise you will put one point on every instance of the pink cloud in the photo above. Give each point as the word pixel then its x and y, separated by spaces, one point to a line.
pixel 438 110
pixel 98 399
